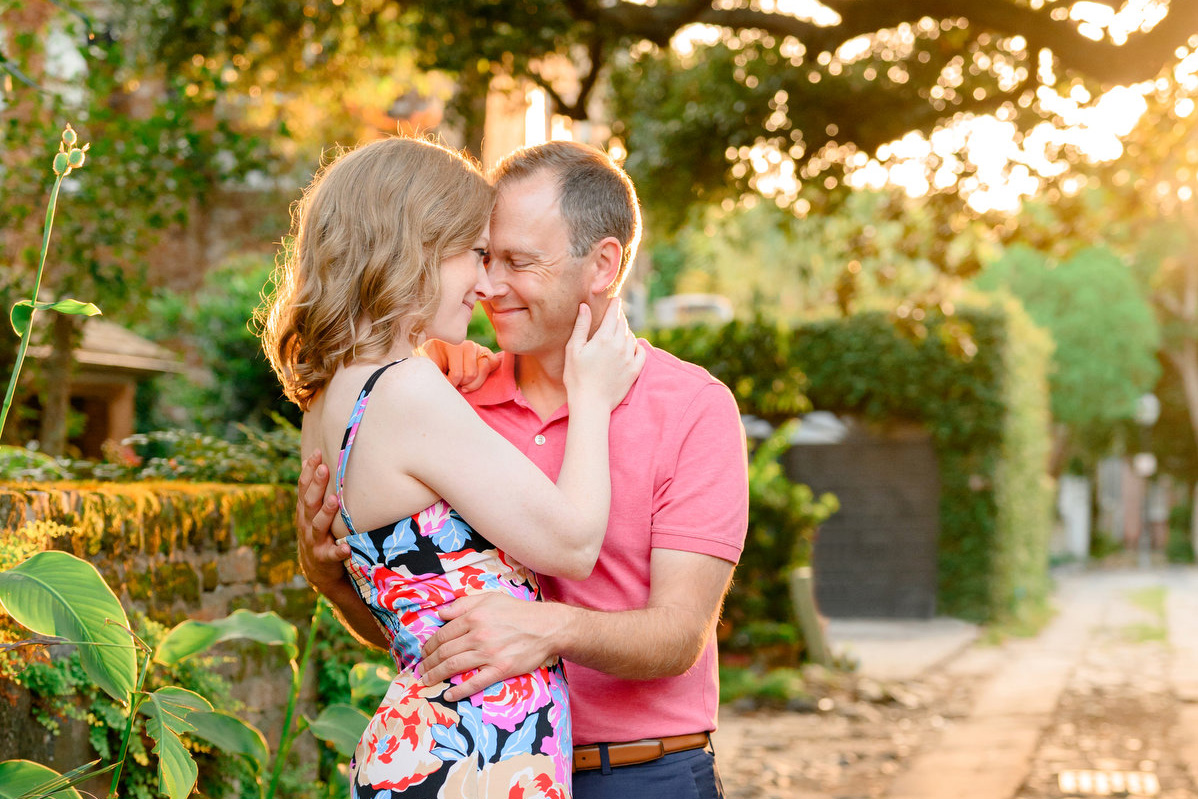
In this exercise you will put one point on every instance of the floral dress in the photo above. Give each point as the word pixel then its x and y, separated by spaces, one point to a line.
pixel 512 740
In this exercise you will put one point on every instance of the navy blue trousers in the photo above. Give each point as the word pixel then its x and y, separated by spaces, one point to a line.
pixel 682 775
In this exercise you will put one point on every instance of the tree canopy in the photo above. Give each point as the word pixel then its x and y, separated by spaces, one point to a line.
pixel 700 91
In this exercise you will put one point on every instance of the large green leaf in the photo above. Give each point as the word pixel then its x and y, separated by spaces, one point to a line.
pixel 341 725
pixel 54 593
pixel 22 311
pixel 370 681
pixel 168 710
pixel 192 637
pixel 232 735
pixel 19 778
pixel 56 786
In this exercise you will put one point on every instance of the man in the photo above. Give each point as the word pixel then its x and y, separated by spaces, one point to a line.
pixel 637 635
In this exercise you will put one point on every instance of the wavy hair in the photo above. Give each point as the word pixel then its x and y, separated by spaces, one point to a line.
pixel 362 263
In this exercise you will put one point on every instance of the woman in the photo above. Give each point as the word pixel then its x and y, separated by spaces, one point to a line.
pixel 390 247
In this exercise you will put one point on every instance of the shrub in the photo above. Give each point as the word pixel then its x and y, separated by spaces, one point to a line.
pixel 237 387
pixel 977 381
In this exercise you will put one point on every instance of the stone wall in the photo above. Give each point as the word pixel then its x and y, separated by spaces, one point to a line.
pixel 172 551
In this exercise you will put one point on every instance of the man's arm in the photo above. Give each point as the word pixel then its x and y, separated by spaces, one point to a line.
pixel 504 637
pixel 322 558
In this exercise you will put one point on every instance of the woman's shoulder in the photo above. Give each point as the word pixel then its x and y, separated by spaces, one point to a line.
pixel 414 385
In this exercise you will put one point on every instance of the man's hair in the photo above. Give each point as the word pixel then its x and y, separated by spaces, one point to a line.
pixel 367 241
pixel 596 197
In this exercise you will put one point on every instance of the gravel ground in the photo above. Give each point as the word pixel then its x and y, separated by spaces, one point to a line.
pixel 847 741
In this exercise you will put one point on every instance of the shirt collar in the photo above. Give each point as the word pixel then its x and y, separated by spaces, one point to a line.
pixel 500 386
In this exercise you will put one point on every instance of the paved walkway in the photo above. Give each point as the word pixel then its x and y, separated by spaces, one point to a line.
pixel 1104 701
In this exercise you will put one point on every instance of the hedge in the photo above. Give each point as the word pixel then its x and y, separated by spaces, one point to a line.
pixel 976 380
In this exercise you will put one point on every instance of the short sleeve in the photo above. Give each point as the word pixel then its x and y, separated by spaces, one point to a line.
pixel 702 501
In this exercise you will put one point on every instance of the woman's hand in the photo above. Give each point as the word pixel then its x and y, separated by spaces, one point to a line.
pixel 464 365
pixel 606 365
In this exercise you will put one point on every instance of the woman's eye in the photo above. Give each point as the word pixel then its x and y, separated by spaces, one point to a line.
pixel 485 255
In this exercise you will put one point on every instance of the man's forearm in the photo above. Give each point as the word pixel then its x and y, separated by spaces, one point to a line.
pixel 353 613
pixel 642 644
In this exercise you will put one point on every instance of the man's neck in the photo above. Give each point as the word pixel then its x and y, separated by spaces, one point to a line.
pixel 541 382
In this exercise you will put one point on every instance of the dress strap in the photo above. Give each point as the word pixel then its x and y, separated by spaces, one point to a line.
pixel 351 432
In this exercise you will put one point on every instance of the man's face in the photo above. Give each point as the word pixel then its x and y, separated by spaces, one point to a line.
pixel 536 284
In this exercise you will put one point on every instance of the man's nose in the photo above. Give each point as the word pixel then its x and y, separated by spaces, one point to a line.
pixel 496 280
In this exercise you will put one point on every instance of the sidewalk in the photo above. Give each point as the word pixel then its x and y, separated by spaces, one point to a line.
pixel 1108 689
pixel 1020 735
pixel 900 649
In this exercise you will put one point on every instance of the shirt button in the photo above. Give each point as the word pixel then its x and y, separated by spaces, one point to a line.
pixel 539 439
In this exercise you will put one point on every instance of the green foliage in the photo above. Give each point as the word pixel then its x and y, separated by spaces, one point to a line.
pixel 976 380
pixel 754 359
pixel 1102 544
pixel 18 463
pixel 94 518
pixel 167 711
pixel 215 324
pixel 58 595
pixel 262 458
pixel 18 778
pixel 691 122
pixel 193 637
pixel 868 250
pixel 1179 547
pixel 783 518
pixel 983 400
pixel 773 688
pixel 1102 325
pixel 54 593
pixel 68 159
pixel 162 146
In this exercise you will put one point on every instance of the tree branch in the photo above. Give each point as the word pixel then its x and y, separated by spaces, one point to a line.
pixel 1141 58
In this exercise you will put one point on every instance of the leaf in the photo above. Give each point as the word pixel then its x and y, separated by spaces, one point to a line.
pixel 341 725
pixel 369 680
pixel 22 311
pixel 232 735
pixel 75 307
pixel 168 709
pixel 20 778
pixel 57 787
pixel 54 593
pixel 192 637
pixel 19 316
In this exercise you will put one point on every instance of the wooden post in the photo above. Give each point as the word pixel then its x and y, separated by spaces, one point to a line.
pixel 802 596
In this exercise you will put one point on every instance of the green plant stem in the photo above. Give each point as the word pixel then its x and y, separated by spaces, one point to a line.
pixel 135 700
pixel 28 334
pixel 288 736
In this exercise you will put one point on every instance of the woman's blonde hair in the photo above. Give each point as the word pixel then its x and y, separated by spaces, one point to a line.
pixel 366 244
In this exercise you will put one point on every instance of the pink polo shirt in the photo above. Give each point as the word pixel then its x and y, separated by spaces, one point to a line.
pixel 679 481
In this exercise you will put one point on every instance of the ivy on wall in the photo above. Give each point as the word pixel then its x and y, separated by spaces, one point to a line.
pixel 976 380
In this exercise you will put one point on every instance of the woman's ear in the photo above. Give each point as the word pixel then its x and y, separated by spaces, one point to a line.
pixel 608 254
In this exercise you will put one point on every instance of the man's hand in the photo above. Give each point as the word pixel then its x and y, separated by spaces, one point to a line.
pixel 499 635
pixel 321 558
pixel 465 365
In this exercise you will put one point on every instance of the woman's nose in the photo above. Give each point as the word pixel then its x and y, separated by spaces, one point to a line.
pixel 482 284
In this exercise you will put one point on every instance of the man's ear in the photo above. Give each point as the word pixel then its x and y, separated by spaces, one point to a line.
pixel 607 264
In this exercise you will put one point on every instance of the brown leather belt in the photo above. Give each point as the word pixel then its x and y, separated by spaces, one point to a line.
pixel 633 752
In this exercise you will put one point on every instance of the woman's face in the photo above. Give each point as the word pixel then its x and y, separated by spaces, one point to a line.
pixel 464 282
